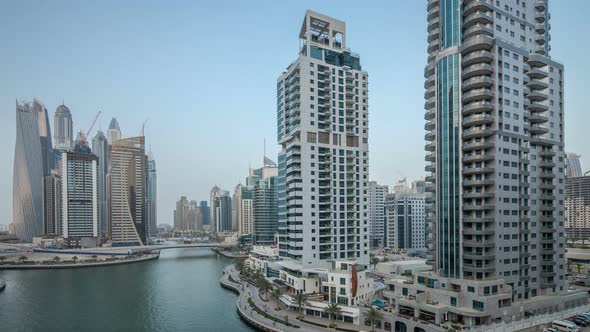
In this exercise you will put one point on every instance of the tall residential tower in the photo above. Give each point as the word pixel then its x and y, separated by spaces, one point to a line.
pixel 322 116
pixel 494 131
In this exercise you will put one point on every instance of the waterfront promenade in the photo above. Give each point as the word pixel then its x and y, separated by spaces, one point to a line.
pixel 33 261
pixel 248 292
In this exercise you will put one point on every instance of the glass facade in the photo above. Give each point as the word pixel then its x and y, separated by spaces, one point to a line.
pixel 448 146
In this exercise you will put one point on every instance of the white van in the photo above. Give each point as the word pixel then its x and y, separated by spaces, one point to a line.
pixel 565 326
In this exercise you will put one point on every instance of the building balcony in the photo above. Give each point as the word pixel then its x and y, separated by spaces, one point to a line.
pixel 478 220
pixel 478 157
pixel 537 118
pixel 538 130
pixel 537 73
pixel 478 170
pixel 477 69
pixel 477 107
pixel 471 6
pixel 536 84
pixel 474 231
pixel 429 125
pixel 471 183
pixel 538 96
pixel 537 107
pixel 475 195
pixel 540 28
pixel 477 82
pixel 430 136
pixel 433 12
pixel 482 56
pixel 477 43
pixel 477 120
pixel 540 17
pixel 477 18
pixel 479 243
pixel 540 5
pixel 477 94
pixel 478 29
pixel 434 34
pixel 477 145
pixel 478 207
pixel 430 146
pixel 430 114
pixel 432 3
pixel 477 132
pixel 540 39
pixel 433 23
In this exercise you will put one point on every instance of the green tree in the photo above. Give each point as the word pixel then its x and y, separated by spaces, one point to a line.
pixel 579 268
pixel 264 286
pixel 374 262
pixel 300 299
pixel 75 259
pixel 56 259
pixel 240 265
pixel 373 315
pixel 22 258
pixel 333 310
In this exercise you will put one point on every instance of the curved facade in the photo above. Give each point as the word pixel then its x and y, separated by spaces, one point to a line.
pixel 28 175
pixel 129 224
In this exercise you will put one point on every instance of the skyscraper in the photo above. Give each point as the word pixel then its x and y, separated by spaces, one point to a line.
pixel 243 202
pixel 406 221
pixel 114 132
pixel 376 211
pixel 572 165
pixel 63 131
pixel 494 122
pixel 51 204
pixel 152 196
pixel 128 182
pixel 577 208
pixel 33 160
pixel 181 214
pixel 322 114
pixel 220 210
pixel 100 148
pixel 205 213
pixel 79 194
pixel 266 218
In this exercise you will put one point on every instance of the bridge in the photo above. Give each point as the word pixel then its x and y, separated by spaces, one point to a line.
pixel 123 250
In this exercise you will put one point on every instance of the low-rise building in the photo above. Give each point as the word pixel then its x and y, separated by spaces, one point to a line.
pixel 403 267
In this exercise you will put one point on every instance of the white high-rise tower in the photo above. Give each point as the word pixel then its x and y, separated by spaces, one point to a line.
pixel 322 112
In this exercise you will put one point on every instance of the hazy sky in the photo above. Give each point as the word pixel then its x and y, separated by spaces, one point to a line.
pixel 204 73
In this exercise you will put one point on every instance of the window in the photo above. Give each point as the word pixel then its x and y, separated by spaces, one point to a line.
pixel 478 305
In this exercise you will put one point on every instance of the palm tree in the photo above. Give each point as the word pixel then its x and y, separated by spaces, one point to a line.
pixel 240 265
pixel 22 258
pixel 374 262
pixel 276 294
pixel 579 268
pixel 373 315
pixel 75 259
pixel 300 298
pixel 333 310
pixel 56 259
pixel 264 286
pixel 94 257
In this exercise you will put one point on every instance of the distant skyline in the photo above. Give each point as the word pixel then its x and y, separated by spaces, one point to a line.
pixel 204 73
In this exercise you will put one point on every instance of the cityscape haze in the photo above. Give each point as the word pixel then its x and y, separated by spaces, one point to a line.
pixel 426 182
pixel 154 61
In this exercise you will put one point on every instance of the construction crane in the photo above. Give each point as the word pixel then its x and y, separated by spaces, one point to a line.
pixel 83 136
pixel 143 126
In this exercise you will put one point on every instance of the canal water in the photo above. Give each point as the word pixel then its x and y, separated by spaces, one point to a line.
pixel 178 292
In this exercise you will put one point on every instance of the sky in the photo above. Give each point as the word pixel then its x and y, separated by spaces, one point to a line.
pixel 203 73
